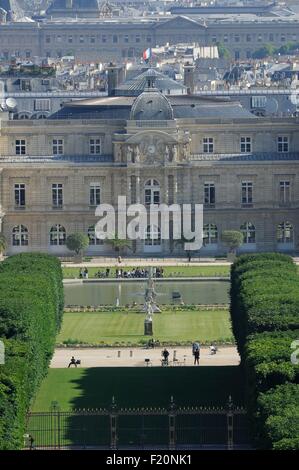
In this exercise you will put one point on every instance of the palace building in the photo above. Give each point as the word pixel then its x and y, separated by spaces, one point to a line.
pixel 152 148
pixel 89 31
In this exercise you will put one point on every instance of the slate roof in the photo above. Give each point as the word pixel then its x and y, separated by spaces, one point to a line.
pixel 193 107
pixel 77 5
pixel 139 83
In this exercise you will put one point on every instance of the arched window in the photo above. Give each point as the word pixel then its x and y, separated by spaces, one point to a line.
pixel 93 240
pixel 248 230
pixel 57 235
pixel 210 234
pixel 153 236
pixel 23 116
pixel 285 233
pixel 152 192
pixel 20 235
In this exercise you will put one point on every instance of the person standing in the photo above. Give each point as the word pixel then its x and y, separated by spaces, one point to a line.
pixel 196 356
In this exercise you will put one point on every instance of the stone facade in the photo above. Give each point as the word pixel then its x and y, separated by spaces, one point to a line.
pixel 106 39
pixel 245 171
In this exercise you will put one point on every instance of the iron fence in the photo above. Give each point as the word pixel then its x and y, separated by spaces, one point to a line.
pixel 139 428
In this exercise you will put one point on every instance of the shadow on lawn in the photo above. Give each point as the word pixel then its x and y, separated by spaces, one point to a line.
pixel 147 387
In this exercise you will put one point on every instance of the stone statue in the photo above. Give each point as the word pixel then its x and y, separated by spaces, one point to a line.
pixel 149 312
pixel 137 154
pixel 130 153
pixel 174 153
pixel 185 151
pixel 167 154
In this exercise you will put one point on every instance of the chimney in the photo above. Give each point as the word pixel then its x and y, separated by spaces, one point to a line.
pixel 189 77
pixel 113 78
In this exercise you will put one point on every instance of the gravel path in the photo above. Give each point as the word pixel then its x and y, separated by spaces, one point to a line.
pixel 108 357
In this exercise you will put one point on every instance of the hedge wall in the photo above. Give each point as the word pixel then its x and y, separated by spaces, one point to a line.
pixel 265 320
pixel 31 307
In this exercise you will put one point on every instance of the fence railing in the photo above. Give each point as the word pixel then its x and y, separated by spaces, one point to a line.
pixel 114 427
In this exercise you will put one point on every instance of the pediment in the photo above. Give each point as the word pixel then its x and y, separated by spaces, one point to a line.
pixel 151 135
pixel 180 22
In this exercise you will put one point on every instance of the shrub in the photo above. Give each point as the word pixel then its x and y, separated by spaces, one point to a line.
pixel 265 319
pixel 31 307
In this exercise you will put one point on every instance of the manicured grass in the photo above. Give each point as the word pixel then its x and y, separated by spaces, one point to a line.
pixel 170 326
pixel 169 271
pixel 133 387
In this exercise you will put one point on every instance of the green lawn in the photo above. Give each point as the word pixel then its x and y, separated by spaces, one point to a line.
pixel 169 271
pixel 170 326
pixel 133 387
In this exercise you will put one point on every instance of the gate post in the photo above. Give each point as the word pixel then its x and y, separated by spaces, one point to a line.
pixel 230 424
pixel 55 411
pixel 113 425
pixel 171 424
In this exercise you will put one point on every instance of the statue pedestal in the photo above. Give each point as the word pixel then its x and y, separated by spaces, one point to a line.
pixel 148 328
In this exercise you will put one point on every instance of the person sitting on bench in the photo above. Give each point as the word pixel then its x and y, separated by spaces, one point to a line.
pixel 73 362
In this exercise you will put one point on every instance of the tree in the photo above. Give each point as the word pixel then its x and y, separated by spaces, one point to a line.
pixel 223 52
pixel 3 245
pixel 77 242
pixel 233 239
pixel 265 51
pixel 119 244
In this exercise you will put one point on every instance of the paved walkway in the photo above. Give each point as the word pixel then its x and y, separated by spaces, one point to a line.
pixel 131 262
pixel 113 262
pixel 109 357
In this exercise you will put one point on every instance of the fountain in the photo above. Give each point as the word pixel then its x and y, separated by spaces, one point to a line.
pixel 150 305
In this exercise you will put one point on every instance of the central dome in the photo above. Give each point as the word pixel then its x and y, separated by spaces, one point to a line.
pixel 151 105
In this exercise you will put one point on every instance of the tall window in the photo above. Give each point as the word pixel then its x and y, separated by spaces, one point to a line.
pixel 209 190
pixel 57 147
pixel 20 236
pixel 94 194
pixel 248 230
pixel 247 192
pixel 20 196
pixel 152 192
pixel 57 235
pixel 93 240
pixel 153 236
pixel 95 146
pixel 170 189
pixel 57 195
pixel 133 184
pixel 285 233
pixel 284 192
pixel 20 147
pixel 245 144
pixel 208 145
pixel 210 234
pixel 282 143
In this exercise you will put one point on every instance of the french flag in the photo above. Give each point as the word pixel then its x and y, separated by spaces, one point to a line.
pixel 147 54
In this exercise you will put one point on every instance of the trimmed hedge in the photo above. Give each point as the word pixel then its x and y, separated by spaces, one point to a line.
pixel 279 416
pixel 265 320
pixel 31 308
